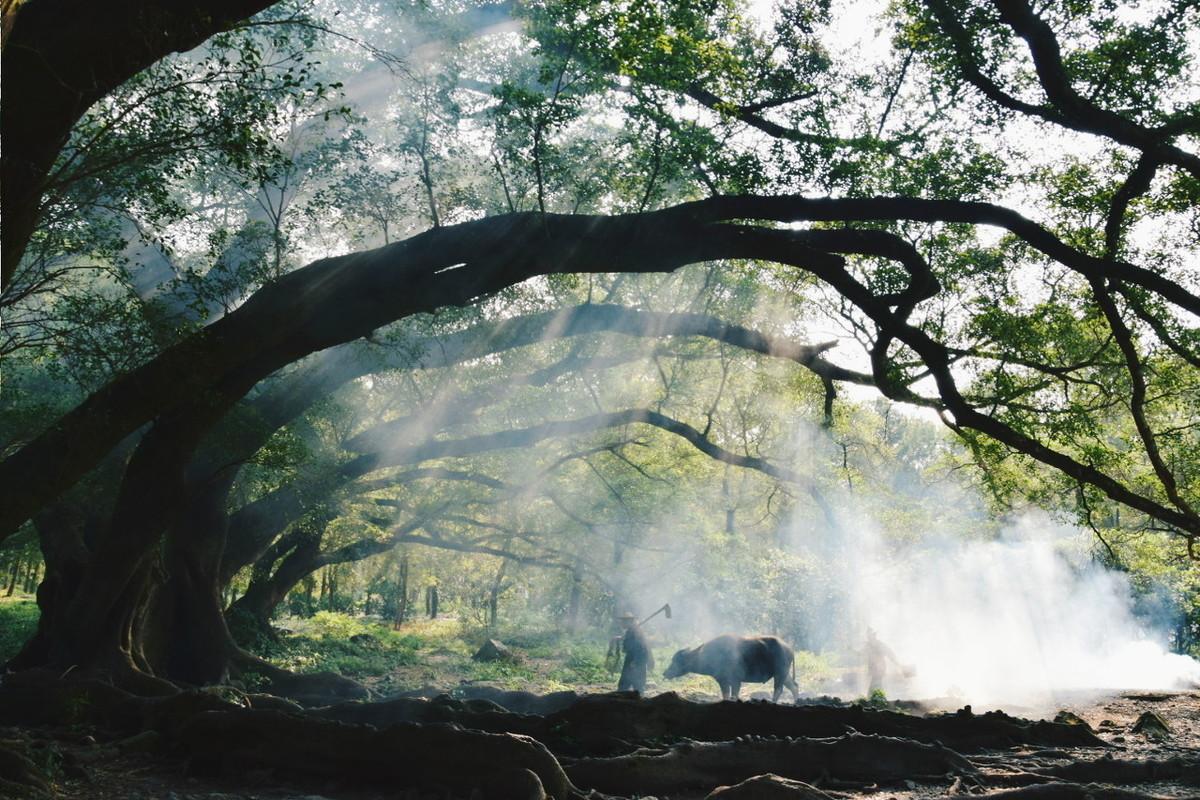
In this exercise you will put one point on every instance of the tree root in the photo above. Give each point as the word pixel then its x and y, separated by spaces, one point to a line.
pixel 479 715
pixel 44 697
pixel 603 723
pixel 406 755
pixel 1105 770
pixel 309 689
pixel 20 777
pixel 520 702
pixel 768 787
pixel 1071 791
pixel 1112 770
pixel 701 765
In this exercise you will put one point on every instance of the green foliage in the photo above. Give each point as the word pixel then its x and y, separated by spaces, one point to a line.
pixel 583 665
pixel 214 173
pixel 18 620
pixel 346 645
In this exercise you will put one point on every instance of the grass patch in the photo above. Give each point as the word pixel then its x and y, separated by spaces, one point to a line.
pixel 583 664
pixel 814 669
pixel 18 620
pixel 351 646
pixel 504 674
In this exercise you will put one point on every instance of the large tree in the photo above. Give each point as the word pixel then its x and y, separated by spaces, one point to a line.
pixel 1068 340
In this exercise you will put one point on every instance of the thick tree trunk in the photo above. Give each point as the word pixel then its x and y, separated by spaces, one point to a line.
pixel 300 552
pixel 164 616
pixel 64 531
pixel 60 57
pixel 184 634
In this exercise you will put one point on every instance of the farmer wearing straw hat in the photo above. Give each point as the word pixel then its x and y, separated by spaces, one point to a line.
pixel 638 658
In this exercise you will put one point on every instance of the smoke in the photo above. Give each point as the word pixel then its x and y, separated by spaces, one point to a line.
pixel 1010 613
pixel 1019 620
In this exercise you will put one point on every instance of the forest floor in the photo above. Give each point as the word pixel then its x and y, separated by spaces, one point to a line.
pixel 83 764
pixel 86 761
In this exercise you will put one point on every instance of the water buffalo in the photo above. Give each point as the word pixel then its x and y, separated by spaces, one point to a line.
pixel 734 660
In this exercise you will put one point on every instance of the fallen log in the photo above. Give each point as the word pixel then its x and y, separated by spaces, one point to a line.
pixel 434 757
pixel 704 765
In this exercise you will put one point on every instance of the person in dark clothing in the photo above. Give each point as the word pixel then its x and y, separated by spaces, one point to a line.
pixel 638 658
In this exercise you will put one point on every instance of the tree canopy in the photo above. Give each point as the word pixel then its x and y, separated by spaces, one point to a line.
pixel 505 278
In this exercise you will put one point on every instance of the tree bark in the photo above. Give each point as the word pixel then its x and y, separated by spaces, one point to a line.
pixel 574 600
pixel 12 578
pixel 184 632
pixel 194 384
pixel 342 298
pixel 401 595
pixel 431 601
pixel 494 593
pixel 59 58
pixel 298 556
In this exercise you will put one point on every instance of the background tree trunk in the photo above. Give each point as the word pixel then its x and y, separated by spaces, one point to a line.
pixel 574 601
pixel 431 601
pixel 12 578
pixel 494 594
pixel 402 593
pixel 269 585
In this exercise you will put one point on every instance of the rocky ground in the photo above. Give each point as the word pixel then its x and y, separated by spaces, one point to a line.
pixel 664 747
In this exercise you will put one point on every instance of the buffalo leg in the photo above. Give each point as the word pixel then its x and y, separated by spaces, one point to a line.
pixel 735 689
pixel 724 684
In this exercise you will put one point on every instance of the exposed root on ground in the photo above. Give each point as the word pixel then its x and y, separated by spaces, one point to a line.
pixel 1071 791
pixel 614 743
pixel 521 702
pixel 406 755
pixel 602 723
pixel 1101 770
pixel 307 689
pixel 769 787
pixel 19 776
pixel 702 765
pixel 480 715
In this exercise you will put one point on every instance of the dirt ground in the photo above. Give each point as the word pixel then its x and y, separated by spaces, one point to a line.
pixel 83 764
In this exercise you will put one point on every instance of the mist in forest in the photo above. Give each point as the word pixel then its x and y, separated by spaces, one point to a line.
pixel 1019 620
pixel 1013 613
